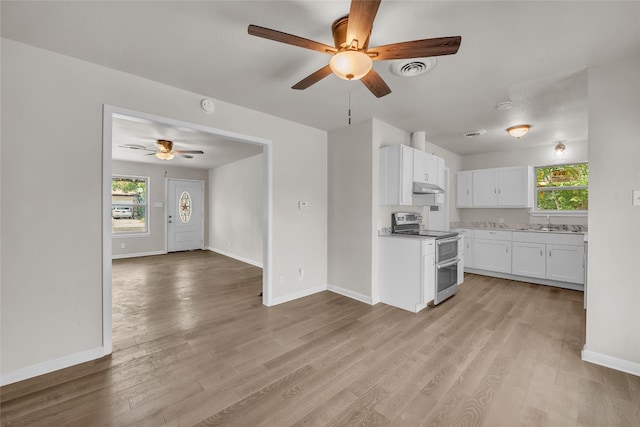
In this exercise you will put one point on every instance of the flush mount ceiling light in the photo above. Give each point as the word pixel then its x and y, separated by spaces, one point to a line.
pixel 518 131
pixel 351 64
pixel 164 156
pixel 559 149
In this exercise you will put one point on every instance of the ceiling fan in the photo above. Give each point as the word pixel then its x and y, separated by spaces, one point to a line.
pixel 165 150
pixel 352 58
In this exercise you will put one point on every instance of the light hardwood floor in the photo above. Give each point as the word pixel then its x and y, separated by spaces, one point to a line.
pixel 193 345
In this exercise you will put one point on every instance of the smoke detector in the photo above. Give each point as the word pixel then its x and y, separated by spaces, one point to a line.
pixel 413 67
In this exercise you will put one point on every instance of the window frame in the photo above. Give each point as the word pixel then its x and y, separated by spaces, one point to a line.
pixel 538 212
pixel 147 229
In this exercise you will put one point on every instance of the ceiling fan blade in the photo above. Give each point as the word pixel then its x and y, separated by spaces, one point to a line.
pixel 417 48
pixel 375 84
pixel 135 147
pixel 361 16
pixel 186 156
pixel 188 152
pixel 281 37
pixel 313 78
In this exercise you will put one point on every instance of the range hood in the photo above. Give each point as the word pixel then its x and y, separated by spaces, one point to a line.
pixel 424 188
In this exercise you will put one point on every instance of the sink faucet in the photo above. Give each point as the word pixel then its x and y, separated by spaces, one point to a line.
pixel 548 221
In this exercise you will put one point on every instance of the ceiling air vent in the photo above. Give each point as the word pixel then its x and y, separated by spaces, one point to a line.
pixel 413 67
pixel 474 133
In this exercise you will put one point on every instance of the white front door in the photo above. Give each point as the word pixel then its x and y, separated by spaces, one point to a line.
pixel 185 215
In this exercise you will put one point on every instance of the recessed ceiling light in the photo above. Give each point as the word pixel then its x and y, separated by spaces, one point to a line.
pixel 474 133
pixel 506 105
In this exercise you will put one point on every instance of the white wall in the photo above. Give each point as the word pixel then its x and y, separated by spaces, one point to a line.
pixel 613 289
pixel 577 151
pixel 235 209
pixel 350 207
pixel 51 266
pixel 155 241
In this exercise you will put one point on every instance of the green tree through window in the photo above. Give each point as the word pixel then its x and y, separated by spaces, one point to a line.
pixel 562 187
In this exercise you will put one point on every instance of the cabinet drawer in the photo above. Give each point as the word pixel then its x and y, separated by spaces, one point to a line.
pixel 576 239
pixel 492 234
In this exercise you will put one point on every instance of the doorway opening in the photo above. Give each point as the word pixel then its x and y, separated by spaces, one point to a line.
pixel 111 113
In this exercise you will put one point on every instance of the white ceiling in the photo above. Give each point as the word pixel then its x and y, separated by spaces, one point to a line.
pixel 534 54
pixel 218 151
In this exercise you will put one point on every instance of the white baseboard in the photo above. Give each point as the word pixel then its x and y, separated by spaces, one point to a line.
pixel 296 295
pixel 51 366
pixel 350 294
pixel 139 254
pixel 611 362
pixel 234 256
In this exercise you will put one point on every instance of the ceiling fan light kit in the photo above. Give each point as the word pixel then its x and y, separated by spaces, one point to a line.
pixel 165 156
pixel 560 149
pixel 350 64
pixel 518 131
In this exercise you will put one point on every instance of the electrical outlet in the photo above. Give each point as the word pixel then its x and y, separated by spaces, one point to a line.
pixel 300 273
pixel 122 245
pixel 282 280
pixel 501 220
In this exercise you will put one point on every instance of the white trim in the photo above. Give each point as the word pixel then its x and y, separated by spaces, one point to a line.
pixel 234 256
pixel 611 362
pixel 296 295
pixel 267 150
pixel 527 279
pixel 139 254
pixel 51 365
pixel 353 295
pixel 558 213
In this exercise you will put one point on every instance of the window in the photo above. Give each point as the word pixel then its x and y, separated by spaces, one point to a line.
pixel 562 189
pixel 129 213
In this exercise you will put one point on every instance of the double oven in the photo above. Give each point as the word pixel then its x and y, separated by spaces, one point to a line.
pixel 447 261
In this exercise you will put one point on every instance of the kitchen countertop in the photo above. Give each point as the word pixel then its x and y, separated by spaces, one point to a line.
pixel 533 228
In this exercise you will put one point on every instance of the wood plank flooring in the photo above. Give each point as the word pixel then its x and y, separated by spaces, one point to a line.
pixel 193 345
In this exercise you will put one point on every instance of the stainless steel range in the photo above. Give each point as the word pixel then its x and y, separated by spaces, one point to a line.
pixel 447 261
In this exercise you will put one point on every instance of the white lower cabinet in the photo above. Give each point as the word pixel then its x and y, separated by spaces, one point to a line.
pixel 407 271
pixel 565 263
pixel 529 259
pixel 492 250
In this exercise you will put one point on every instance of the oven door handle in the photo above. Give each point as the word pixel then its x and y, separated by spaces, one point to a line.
pixel 449 264
pixel 449 240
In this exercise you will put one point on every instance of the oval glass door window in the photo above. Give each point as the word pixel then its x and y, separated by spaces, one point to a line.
pixel 185 207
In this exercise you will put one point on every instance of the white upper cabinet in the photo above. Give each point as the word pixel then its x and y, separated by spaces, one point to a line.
pixel 463 189
pixel 509 187
pixel 396 175
pixel 398 165
pixel 425 168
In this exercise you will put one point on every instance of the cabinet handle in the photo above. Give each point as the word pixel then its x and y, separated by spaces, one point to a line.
pixel 540 252
pixel 549 252
pixel 495 191
pixel 498 191
pixel 467 192
pixel 507 249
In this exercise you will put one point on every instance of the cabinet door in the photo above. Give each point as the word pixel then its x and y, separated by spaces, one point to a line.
pixel 484 188
pixel 513 186
pixel 440 181
pixel 425 167
pixel 528 259
pixel 565 263
pixel 463 189
pixel 492 255
pixel 406 175
pixel 468 253
pixel 428 278
pixel 396 175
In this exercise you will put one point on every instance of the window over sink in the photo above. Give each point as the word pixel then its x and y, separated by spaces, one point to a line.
pixel 562 189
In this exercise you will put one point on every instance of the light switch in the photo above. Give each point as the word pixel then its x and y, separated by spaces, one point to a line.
pixel 636 197
pixel 303 206
pixel 158 205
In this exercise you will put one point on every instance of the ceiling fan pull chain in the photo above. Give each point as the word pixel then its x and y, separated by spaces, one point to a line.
pixel 349 83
